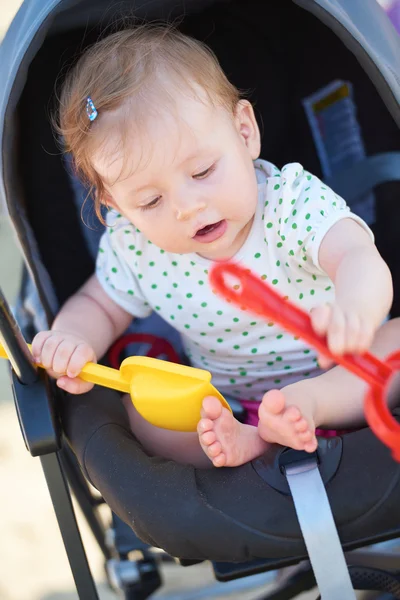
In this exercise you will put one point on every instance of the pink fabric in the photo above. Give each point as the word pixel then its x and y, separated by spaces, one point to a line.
pixel 251 408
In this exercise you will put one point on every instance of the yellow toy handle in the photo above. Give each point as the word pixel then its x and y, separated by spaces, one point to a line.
pixel 168 395
pixel 97 374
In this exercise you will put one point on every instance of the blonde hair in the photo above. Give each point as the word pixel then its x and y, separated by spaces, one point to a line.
pixel 124 67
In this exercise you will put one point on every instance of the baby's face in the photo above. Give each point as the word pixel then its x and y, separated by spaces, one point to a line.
pixel 190 184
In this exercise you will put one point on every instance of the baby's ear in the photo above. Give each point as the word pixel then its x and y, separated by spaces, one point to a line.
pixel 247 127
pixel 106 199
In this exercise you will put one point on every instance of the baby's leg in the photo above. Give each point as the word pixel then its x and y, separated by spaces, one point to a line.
pixel 334 399
pixel 236 444
pixel 180 446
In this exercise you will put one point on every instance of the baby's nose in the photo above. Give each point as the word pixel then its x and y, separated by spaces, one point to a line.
pixel 186 210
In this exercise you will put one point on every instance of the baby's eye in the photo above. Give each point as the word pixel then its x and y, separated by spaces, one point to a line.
pixel 205 173
pixel 152 203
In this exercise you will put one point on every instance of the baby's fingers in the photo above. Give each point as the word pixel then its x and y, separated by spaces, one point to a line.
pixel 320 318
pixel 336 336
pixel 38 342
pixel 325 362
pixel 82 354
pixel 74 385
pixel 365 337
pixel 49 350
pixel 353 333
pixel 62 355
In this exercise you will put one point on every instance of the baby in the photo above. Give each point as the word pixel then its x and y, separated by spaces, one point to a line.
pixel 164 140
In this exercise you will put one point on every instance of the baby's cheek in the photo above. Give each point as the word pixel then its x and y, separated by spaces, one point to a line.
pixel 169 237
pixel 146 225
pixel 243 200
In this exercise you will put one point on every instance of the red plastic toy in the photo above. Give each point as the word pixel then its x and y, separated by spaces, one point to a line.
pixel 255 295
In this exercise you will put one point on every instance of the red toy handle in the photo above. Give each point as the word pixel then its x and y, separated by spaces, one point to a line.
pixel 258 297
pixel 157 346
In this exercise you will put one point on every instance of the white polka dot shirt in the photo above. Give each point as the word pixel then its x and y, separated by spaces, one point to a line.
pixel 246 355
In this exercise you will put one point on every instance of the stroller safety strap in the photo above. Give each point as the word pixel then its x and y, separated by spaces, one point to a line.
pixel 360 178
pixel 319 530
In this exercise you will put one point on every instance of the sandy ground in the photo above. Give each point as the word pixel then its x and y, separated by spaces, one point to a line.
pixel 33 563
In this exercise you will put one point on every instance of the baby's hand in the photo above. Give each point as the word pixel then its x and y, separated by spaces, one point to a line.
pixel 63 355
pixel 347 331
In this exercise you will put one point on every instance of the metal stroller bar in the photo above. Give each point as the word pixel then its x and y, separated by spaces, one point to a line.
pixel 61 499
pixel 32 399
pixel 15 345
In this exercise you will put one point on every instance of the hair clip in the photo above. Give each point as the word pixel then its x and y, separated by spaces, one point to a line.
pixel 91 110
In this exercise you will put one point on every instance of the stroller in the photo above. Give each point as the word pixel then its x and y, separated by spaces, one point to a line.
pixel 314 68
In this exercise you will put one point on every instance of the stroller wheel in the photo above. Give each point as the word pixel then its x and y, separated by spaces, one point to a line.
pixel 136 579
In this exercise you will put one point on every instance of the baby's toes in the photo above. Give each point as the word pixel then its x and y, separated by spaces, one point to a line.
pixel 273 403
pixel 214 450
pixel 305 436
pixel 220 460
pixel 204 425
pixel 312 445
pixel 211 408
pixel 292 414
pixel 208 438
pixel 301 425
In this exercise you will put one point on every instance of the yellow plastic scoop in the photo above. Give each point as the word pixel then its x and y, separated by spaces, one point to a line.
pixel 166 394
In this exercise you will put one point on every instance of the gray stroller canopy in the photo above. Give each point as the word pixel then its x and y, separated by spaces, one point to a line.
pixel 361 24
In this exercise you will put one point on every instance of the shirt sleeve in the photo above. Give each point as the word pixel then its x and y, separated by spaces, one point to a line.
pixel 114 273
pixel 302 210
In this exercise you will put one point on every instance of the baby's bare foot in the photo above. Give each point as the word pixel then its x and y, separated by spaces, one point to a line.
pixel 285 425
pixel 226 442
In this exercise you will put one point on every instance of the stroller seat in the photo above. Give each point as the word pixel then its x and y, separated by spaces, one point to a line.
pixel 243 518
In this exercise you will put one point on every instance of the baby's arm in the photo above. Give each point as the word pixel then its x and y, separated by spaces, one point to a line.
pixel 83 330
pixel 335 399
pixel 364 290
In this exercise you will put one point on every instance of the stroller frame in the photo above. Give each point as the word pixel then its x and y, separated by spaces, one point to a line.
pixel 138 578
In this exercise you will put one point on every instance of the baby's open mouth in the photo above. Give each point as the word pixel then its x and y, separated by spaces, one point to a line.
pixel 208 228
pixel 210 233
